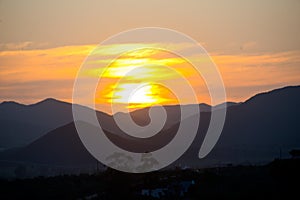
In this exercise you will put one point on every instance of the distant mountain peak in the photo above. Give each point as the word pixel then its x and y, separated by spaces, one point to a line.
pixel 11 104
pixel 270 92
pixel 49 101
pixel 45 101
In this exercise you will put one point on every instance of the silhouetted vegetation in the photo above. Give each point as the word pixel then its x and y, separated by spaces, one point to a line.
pixel 295 153
pixel 277 180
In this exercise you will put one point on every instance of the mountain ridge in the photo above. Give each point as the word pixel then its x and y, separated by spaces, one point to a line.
pixel 254 132
pixel 51 99
pixel 50 113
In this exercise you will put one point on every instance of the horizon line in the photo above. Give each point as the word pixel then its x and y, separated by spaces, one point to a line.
pixel 167 105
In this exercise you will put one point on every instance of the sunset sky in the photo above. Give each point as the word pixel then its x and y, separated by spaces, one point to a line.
pixel 255 44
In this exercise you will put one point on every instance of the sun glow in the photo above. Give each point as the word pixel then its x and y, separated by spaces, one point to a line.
pixel 51 72
pixel 136 79
pixel 141 78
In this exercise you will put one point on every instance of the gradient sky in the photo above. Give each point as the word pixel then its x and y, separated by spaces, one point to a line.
pixel 255 44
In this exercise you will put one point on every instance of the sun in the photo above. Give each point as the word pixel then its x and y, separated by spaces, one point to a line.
pixel 144 94
pixel 140 96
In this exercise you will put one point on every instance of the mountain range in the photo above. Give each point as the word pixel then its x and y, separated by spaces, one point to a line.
pixel 264 127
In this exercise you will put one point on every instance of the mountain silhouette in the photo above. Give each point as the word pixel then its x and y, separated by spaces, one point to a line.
pixel 256 131
pixel 22 124
pixel 262 128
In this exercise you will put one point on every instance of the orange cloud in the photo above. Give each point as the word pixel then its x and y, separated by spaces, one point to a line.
pixel 31 75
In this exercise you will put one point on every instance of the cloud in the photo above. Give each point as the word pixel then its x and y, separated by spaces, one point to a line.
pixel 246 75
pixel 31 75
pixel 20 46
